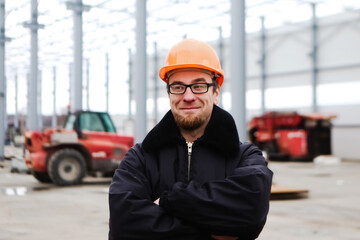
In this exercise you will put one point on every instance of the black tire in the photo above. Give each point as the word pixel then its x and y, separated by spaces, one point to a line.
pixel 42 177
pixel 66 167
pixel 273 153
pixel 270 147
pixel 252 136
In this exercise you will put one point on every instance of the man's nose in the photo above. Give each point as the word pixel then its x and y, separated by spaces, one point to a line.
pixel 188 95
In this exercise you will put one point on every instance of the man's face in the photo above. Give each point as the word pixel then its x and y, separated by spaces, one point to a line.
pixel 192 111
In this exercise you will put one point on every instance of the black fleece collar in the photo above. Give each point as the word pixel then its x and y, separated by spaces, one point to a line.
pixel 220 133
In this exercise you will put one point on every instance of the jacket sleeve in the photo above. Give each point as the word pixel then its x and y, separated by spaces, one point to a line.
pixel 235 206
pixel 133 215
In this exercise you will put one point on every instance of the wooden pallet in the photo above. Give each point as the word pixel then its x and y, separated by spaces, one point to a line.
pixel 283 192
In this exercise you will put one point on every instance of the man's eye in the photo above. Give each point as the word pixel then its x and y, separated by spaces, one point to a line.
pixel 177 87
pixel 198 87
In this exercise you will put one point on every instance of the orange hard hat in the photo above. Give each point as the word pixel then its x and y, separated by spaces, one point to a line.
pixel 191 53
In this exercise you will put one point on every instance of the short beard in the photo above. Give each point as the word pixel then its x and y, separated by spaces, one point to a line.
pixel 188 123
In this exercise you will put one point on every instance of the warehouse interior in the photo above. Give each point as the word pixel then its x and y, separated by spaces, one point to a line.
pixel 295 56
pixel 310 59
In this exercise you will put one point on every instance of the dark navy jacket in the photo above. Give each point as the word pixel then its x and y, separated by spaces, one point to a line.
pixel 227 192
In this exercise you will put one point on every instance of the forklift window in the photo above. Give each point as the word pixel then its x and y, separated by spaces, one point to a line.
pixel 108 122
pixel 91 122
pixel 69 125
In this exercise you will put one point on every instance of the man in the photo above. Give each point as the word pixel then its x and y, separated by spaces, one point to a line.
pixel 191 177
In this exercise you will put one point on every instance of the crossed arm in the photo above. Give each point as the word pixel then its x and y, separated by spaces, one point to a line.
pixel 216 237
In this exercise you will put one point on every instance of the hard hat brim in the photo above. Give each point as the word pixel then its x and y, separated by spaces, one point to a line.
pixel 163 71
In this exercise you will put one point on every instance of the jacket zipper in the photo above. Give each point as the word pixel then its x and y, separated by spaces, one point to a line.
pixel 189 146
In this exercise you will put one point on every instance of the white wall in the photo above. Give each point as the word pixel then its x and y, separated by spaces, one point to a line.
pixel 289 75
pixel 345 131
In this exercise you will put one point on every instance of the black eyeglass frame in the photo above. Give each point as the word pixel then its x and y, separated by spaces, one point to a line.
pixel 190 86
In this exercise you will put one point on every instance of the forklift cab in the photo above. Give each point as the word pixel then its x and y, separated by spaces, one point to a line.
pixel 89 121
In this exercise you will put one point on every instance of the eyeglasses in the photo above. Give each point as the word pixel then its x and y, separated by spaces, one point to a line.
pixel 196 88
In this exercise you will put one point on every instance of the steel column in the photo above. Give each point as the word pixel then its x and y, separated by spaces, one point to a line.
pixel 156 81
pixel 76 90
pixel 87 84
pixel 140 73
pixel 76 85
pixel 70 82
pixel 314 58
pixel 28 99
pixel 53 120
pixel 130 83
pixel 107 81
pixel 40 120
pixel 3 113
pixel 33 111
pixel 16 120
pixel 221 58
pixel 238 66
pixel 263 64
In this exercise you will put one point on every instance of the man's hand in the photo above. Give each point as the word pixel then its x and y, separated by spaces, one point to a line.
pixel 223 237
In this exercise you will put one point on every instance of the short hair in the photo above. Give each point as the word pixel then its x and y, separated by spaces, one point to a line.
pixel 215 82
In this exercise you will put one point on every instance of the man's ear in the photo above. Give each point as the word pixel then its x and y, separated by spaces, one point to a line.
pixel 217 95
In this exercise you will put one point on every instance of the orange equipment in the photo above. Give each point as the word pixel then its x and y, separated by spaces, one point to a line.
pixel 284 135
pixel 191 53
pixel 88 143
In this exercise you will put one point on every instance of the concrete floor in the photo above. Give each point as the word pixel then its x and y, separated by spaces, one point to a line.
pixel 32 210
pixel 331 211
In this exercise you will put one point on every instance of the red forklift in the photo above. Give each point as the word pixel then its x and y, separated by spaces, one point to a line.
pixel 88 143
pixel 292 136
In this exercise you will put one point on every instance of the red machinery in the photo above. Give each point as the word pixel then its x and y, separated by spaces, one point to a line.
pixel 87 143
pixel 284 135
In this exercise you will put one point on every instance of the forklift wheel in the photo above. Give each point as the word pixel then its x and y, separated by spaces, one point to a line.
pixel 66 167
pixel 42 176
